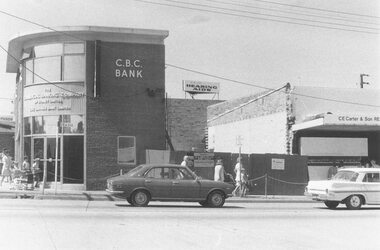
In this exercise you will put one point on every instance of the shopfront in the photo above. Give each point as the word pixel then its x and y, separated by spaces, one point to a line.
pixel 88 100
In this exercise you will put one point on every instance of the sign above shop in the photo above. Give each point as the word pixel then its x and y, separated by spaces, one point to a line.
pixel 128 68
pixel 199 87
pixel 352 119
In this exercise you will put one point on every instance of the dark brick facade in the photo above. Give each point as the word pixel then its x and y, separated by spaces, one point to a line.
pixel 127 106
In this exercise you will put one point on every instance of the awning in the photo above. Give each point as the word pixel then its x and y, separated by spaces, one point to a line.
pixel 341 122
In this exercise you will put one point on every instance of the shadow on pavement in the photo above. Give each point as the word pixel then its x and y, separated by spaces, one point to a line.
pixel 178 206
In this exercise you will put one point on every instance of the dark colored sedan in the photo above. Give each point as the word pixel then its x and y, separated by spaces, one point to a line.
pixel 167 182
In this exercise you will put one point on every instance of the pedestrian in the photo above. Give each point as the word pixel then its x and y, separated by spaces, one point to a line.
pixel 185 161
pixel 219 171
pixel 6 171
pixel 332 171
pixel 36 172
pixel 238 180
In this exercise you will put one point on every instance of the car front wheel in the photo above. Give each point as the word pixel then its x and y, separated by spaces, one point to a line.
pixel 354 202
pixel 140 198
pixel 331 204
pixel 216 199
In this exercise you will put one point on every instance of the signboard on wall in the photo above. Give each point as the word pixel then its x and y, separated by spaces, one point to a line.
pixel 52 100
pixel 278 164
pixel 200 87
pixel 334 146
pixel 352 119
pixel 203 159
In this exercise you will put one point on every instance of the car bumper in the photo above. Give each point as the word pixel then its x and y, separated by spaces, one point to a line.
pixel 114 191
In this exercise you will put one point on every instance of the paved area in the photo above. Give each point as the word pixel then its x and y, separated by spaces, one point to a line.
pixel 7 192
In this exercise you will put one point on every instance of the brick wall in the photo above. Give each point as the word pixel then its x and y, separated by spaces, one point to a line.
pixel 187 120
pixel 126 107
pixel 273 103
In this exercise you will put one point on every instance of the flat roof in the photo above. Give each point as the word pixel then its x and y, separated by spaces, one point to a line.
pixel 80 33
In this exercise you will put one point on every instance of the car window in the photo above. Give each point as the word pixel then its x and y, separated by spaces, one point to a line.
pixel 186 174
pixel 346 176
pixel 372 177
pixel 137 171
pixel 158 173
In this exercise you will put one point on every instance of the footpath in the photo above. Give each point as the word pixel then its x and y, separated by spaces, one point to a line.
pixel 52 194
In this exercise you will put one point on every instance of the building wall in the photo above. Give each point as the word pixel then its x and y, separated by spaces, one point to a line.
pixel 264 134
pixel 262 124
pixel 186 122
pixel 127 106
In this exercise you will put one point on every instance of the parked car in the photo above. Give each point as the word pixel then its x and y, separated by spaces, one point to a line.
pixel 351 186
pixel 167 182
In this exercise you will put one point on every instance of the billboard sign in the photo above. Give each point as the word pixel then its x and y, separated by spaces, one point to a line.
pixel 200 87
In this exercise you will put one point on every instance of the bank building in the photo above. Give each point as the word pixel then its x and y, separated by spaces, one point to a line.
pixel 89 100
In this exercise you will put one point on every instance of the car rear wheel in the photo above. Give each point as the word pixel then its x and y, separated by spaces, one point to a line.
pixel 354 202
pixel 331 204
pixel 216 199
pixel 140 198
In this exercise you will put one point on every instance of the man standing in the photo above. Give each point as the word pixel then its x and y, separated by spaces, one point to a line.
pixel 219 171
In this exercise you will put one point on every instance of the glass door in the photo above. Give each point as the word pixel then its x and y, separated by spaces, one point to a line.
pixel 44 148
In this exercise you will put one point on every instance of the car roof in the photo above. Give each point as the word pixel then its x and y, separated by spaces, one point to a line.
pixel 165 165
pixel 361 170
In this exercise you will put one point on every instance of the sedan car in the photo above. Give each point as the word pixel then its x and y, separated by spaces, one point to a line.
pixel 167 182
pixel 351 186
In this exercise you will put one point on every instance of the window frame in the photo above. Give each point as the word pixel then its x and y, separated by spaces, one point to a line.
pixel 118 151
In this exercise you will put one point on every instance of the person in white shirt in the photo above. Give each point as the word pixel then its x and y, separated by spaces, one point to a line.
pixel 219 171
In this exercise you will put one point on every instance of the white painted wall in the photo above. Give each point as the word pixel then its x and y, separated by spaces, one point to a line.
pixel 264 134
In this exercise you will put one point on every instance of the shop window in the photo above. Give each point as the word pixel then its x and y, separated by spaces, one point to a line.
pixel 72 124
pixel 45 125
pixel 47 69
pixel 126 150
pixel 48 50
pixel 73 48
pixel 27 126
pixel 73 68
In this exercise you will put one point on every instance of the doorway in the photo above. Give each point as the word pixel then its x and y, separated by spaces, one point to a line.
pixel 44 148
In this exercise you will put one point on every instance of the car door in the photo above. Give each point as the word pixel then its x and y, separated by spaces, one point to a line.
pixel 184 185
pixel 158 183
pixel 371 183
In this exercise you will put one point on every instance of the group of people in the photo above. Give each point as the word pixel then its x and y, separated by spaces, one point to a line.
pixel 241 176
pixel 11 171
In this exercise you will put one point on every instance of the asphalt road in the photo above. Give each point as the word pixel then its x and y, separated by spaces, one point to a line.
pixel 59 224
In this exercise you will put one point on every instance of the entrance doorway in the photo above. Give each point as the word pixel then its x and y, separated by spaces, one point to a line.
pixel 70 165
pixel 44 148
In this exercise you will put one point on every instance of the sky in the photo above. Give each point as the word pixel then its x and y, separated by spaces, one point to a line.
pixel 247 46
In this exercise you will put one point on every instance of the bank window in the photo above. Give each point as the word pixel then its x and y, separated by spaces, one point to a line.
pixel 72 124
pixel 73 68
pixel 47 69
pixel 73 48
pixel 48 50
pixel 126 150
pixel 27 126
pixel 45 124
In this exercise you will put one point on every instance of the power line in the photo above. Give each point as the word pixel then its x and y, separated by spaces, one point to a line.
pixel 271 89
pixel 258 18
pixel 318 9
pixel 270 15
pixel 291 12
pixel 169 65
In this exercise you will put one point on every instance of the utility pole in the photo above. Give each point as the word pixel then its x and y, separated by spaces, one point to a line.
pixel 362 81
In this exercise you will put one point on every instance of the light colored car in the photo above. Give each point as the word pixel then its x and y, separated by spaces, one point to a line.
pixel 351 186
pixel 167 182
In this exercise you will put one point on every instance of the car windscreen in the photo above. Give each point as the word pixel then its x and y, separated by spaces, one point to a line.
pixel 346 176
pixel 137 171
